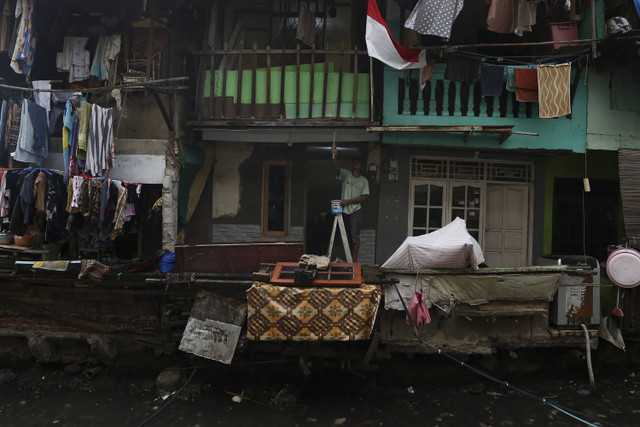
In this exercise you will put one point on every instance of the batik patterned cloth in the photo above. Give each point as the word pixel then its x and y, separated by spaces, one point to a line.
pixel 279 313
pixel 554 88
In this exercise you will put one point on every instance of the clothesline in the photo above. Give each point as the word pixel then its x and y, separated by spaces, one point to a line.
pixel 506 60
pixel 105 88
pixel 553 42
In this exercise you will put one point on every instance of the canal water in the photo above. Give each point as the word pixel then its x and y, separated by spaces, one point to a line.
pixel 424 391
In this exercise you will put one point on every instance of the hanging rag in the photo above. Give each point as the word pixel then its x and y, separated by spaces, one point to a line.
pixel 83 131
pixel 491 80
pixel 6 26
pixel 33 140
pixel 502 16
pixel 4 153
pixel 80 60
pixel 511 77
pixel 526 84
pixel 462 69
pixel 527 16
pixel 43 99
pixel 426 72
pixel 434 17
pixel 99 140
pixel 554 90
pixel 306 32
pixel 98 69
pixel 418 310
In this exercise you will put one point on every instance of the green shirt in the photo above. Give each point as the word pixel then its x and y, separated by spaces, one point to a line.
pixel 352 187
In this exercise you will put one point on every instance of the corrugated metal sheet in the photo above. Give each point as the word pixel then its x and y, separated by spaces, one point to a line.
pixel 629 170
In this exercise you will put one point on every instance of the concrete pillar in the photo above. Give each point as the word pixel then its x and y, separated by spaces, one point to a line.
pixel 171 179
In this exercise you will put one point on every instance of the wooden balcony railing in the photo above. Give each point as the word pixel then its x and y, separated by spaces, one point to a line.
pixel 284 84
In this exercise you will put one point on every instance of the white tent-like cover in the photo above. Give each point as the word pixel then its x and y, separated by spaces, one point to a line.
pixel 449 247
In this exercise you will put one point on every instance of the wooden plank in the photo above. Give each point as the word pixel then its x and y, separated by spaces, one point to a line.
pixel 282 73
pixel 355 85
pixel 253 80
pixel 340 70
pixel 324 86
pixel 212 86
pixel 268 114
pixel 298 81
pixel 313 72
pixel 239 90
pixel 225 58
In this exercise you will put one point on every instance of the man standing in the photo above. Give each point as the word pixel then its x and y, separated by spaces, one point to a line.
pixel 355 189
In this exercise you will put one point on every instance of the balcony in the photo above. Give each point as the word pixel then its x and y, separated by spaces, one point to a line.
pixel 438 114
pixel 319 87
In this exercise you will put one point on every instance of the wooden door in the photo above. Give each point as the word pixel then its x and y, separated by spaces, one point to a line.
pixel 506 225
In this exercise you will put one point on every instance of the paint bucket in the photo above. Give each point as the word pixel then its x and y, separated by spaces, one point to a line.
pixel 336 208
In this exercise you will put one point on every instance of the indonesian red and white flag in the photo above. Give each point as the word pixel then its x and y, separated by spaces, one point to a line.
pixel 381 44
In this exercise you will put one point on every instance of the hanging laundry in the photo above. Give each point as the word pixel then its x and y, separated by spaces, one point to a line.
pixel 554 90
pixel 55 214
pixel 83 131
pixel 74 195
pixel 4 196
pixel 80 60
pixel 63 59
pixel 97 66
pixel 119 217
pixel 434 17
pixel 527 16
pixel 99 141
pixel 25 45
pixel 4 152
pixel 511 77
pixel 110 54
pixel 67 130
pixel 27 198
pixel 6 26
pixel 40 191
pixel 13 124
pixel 491 80
pixel 502 17
pixel 526 85
pixel 33 139
pixel 426 72
pixel 43 99
pixel 306 31
pixel 462 69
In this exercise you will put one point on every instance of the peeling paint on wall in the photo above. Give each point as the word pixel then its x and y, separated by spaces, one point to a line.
pixel 226 177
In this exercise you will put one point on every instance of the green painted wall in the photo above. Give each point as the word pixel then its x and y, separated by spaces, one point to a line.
pixel 600 165
pixel 554 134
pixel 609 128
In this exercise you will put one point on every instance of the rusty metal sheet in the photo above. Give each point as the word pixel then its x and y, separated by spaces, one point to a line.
pixel 240 258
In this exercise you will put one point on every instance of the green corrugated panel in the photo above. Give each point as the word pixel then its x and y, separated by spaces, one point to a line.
pixel 290 95
pixel 331 110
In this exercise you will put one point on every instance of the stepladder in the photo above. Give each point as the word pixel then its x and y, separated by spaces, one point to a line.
pixel 338 224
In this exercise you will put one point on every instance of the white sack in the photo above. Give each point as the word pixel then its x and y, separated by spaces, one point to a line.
pixel 449 247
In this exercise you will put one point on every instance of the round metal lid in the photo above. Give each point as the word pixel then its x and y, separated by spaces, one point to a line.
pixel 623 267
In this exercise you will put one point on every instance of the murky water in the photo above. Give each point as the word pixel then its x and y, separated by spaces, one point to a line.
pixel 411 392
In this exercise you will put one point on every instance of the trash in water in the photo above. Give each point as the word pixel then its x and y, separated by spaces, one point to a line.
pixel 410 390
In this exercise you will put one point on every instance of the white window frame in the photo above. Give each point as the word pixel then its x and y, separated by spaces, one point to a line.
pixel 449 182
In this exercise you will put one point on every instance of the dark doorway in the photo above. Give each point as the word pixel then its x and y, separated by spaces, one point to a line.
pixel 600 213
pixel 320 219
